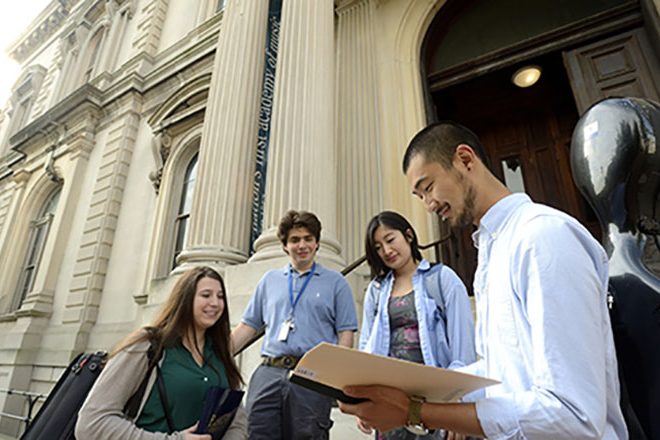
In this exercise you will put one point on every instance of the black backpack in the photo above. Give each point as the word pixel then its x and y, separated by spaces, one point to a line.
pixel 56 420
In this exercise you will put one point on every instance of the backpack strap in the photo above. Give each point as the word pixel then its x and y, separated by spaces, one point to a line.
pixel 154 356
pixel 163 399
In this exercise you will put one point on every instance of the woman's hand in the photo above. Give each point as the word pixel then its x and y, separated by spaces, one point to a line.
pixel 189 434
pixel 364 426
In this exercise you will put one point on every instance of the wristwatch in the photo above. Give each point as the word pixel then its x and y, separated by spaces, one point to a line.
pixel 415 424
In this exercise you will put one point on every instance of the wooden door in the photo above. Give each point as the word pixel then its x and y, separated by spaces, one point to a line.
pixel 623 65
pixel 527 135
pixel 530 153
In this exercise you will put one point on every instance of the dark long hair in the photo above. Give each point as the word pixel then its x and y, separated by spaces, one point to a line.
pixel 175 320
pixel 392 220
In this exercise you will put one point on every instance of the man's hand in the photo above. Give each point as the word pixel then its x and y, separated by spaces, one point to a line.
pixel 189 434
pixel 386 409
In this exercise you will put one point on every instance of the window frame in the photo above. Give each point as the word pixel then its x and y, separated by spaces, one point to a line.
pixel 39 231
pixel 185 186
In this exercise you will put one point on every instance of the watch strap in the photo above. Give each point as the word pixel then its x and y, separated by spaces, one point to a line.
pixel 415 410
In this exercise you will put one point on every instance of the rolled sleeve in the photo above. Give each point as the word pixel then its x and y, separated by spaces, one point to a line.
pixel 498 418
pixel 253 314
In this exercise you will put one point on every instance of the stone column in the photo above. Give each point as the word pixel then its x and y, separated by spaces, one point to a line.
pixel 301 158
pixel 220 214
pixel 358 125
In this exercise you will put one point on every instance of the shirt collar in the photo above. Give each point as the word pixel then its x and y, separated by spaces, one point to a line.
pixel 423 266
pixel 288 267
pixel 496 217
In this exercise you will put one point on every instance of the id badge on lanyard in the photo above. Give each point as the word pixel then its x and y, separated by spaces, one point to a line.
pixel 284 330
pixel 288 324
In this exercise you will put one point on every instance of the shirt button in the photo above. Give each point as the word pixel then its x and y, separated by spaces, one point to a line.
pixel 206 379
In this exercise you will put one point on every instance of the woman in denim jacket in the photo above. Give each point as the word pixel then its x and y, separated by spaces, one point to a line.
pixel 412 310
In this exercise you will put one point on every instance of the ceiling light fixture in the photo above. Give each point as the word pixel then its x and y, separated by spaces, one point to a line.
pixel 526 76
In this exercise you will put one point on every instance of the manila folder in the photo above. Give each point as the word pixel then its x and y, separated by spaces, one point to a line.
pixel 334 367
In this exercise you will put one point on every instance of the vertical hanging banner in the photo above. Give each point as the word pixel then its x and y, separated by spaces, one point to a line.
pixel 265 117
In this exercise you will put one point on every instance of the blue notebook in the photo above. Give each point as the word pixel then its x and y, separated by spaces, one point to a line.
pixel 220 405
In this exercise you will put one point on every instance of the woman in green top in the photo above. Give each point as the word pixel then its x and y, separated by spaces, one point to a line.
pixel 190 336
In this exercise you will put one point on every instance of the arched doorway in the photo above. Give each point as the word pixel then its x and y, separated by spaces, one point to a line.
pixel 586 52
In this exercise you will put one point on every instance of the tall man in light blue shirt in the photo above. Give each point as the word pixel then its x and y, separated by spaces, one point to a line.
pixel 301 305
pixel 542 324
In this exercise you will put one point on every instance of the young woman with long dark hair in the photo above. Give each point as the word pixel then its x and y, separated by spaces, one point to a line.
pixel 190 340
pixel 412 310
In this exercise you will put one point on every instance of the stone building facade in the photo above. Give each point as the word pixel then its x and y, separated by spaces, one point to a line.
pixel 147 136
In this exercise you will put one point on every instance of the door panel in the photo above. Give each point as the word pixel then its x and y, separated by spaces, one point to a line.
pixel 527 131
pixel 623 65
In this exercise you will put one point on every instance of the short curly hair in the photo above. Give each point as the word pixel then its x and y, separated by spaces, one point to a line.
pixel 298 219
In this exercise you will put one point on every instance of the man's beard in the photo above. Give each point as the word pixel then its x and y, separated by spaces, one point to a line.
pixel 466 217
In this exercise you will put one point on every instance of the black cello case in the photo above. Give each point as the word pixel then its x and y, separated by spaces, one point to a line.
pixel 56 420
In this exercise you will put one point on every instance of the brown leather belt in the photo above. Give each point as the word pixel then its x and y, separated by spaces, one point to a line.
pixel 286 362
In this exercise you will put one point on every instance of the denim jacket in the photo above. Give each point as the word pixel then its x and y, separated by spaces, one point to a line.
pixel 449 345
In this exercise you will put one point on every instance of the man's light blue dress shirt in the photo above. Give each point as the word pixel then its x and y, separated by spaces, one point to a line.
pixel 543 327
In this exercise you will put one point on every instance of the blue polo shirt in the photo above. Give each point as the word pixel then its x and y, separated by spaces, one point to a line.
pixel 325 308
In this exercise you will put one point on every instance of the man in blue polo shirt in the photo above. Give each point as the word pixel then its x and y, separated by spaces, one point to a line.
pixel 301 305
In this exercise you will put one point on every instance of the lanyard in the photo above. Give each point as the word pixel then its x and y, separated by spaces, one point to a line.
pixel 305 283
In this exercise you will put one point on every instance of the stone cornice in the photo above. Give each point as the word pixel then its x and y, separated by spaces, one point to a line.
pixel 183 54
pixel 11 158
pixel 199 44
pixel 87 98
pixel 41 29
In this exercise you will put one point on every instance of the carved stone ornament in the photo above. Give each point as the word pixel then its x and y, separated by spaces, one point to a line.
pixel 160 147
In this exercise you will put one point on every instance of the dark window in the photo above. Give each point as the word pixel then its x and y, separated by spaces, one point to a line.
pixel 183 214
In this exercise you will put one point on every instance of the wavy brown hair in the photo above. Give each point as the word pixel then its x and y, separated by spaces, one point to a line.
pixel 175 321
pixel 298 219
